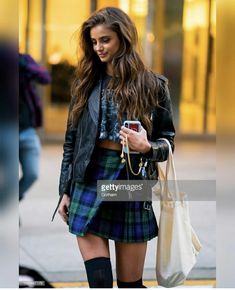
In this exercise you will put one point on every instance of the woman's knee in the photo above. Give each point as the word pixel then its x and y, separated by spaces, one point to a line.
pixel 95 253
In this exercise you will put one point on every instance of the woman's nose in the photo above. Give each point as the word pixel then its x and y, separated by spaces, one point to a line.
pixel 99 47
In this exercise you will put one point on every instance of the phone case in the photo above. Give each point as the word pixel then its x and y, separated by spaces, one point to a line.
pixel 128 124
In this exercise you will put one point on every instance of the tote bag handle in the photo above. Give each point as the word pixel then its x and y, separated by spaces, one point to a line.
pixel 168 180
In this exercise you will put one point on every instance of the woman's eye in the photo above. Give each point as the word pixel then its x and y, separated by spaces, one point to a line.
pixel 104 40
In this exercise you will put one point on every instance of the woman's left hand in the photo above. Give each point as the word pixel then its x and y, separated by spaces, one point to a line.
pixel 137 141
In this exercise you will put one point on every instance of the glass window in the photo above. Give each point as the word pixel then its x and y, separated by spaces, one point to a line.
pixel 30 28
pixel 23 11
pixel 197 98
pixel 63 20
pixel 211 113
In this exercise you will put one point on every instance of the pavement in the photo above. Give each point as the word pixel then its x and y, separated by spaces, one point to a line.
pixel 48 248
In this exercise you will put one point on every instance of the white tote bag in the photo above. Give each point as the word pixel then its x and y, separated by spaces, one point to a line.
pixel 177 243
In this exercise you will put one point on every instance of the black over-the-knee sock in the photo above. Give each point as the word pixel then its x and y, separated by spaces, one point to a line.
pixel 99 272
pixel 136 284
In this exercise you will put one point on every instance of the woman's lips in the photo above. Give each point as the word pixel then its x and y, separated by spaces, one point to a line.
pixel 102 54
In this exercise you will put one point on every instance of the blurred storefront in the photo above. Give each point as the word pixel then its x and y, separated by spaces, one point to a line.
pixel 176 39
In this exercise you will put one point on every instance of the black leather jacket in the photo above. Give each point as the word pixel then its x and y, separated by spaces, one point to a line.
pixel 80 142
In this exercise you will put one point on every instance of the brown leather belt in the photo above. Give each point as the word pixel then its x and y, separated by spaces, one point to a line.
pixel 109 145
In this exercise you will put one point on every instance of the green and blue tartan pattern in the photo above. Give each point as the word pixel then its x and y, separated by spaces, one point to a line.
pixel 123 221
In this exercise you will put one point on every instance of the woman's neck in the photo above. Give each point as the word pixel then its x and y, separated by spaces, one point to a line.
pixel 109 69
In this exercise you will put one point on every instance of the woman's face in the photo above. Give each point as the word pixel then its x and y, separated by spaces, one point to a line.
pixel 105 42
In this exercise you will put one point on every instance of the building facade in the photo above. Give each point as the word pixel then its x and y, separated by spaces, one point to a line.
pixel 177 39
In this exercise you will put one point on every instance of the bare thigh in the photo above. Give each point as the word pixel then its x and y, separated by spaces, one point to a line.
pixel 130 259
pixel 92 246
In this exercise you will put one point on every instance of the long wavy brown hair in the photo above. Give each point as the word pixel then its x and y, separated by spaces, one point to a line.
pixel 135 87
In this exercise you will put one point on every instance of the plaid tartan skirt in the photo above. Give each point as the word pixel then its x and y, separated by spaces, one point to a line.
pixel 123 221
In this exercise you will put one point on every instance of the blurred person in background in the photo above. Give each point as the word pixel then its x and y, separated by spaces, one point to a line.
pixel 8 161
pixel 30 118
pixel 8 121
pixel 112 85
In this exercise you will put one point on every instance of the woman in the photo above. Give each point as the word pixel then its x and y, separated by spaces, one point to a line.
pixel 112 85
pixel 30 118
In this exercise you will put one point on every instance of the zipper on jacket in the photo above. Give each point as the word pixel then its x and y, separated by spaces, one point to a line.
pixel 97 127
pixel 80 141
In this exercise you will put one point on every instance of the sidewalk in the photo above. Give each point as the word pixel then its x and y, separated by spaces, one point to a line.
pixel 48 248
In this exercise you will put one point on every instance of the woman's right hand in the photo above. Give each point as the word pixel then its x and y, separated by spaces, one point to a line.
pixel 63 208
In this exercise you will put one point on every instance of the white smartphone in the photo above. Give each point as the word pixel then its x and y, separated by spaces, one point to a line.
pixel 133 125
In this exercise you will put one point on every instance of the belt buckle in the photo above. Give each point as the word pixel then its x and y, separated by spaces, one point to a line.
pixel 147 205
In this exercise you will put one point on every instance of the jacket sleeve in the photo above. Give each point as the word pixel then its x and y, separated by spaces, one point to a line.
pixel 68 151
pixel 163 126
pixel 32 70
